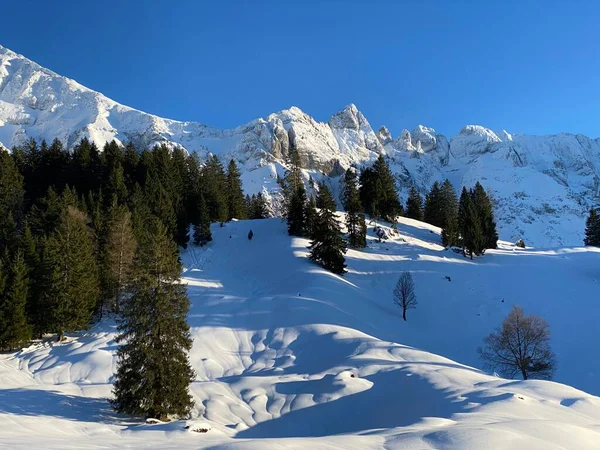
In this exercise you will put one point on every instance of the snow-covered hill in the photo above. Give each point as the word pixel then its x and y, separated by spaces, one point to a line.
pixel 288 355
pixel 542 185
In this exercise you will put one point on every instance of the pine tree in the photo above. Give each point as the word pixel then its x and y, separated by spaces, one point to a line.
pixel 202 234
pixel 414 205
pixel 235 195
pixel 119 252
pixel 70 288
pixel 15 331
pixel 592 229
pixel 355 220
pixel 153 373
pixel 328 247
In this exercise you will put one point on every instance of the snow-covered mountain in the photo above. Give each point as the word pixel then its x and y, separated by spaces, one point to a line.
pixel 542 185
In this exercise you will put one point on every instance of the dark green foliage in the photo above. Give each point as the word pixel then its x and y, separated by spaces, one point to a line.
pixel 236 205
pixel 202 234
pixel 153 371
pixel 214 185
pixel 15 330
pixel 432 213
pixel 325 198
pixel 592 229
pixel 311 217
pixel 328 246
pixel 414 205
pixel 355 219
pixel 476 222
pixel 449 215
pixel 258 208
pixel 11 200
pixel 484 210
pixel 296 212
pixel 70 288
pixel 378 193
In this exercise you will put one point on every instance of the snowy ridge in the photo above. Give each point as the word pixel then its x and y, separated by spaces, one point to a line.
pixel 288 355
pixel 543 186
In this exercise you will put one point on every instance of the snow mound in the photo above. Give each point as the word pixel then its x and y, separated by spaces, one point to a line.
pixel 288 355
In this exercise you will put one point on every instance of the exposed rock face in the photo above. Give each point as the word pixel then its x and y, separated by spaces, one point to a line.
pixel 542 185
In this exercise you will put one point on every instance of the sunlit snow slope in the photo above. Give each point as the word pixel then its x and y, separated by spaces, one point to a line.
pixel 288 355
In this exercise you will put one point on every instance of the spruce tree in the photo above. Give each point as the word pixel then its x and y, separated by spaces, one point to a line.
pixel 236 206
pixel 378 193
pixel 483 207
pixel 432 213
pixel 414 205
pixel 311 217
pixel 325 198
pixel 449 215
pixel 15 330
pixel 355 220
pixel 11 200
pixel 202 234
pixel 119 251
pixel 328 246
pixel 258 207
pixel 469 223
pixel 70 287
pixel 214 183
pixel 296 212
pixel 592 229
pixel 153 372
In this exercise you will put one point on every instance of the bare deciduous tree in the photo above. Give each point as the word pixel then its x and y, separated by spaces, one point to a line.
pixel 404 294
pixel 520 345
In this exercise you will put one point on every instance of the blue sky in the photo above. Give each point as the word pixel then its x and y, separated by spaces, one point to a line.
pixel 527 67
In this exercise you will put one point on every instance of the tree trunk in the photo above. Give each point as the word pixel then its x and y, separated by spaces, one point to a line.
pixel 404 314
pixel 524 373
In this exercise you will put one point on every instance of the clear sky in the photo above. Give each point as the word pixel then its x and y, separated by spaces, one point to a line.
pixel 523 66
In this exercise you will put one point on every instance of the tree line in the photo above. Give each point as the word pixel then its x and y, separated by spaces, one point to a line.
pixel 87 232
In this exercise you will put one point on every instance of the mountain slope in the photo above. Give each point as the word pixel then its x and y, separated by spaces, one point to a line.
pixel 288 355
pixel 543 186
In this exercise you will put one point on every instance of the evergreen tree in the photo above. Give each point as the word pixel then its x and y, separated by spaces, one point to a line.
pixel 15 331
pixel 592 229
pixel 296 213
pixel 355 220
pixel 258 207
pixel 433 206
pixel 70 288
pixel 202 234
pixel 469 223
pixel 119 251
pixel 311 217
pixel 328 246
pixel 214 182
pixel 325 198
pixel 449 215
pixel 11 200
pixel 153 373
pixel 414 205
pixel 483 207
pixel 378 192
pixel 235 195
